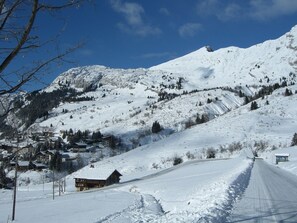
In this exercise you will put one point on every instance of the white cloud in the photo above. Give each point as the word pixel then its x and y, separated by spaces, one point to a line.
pixel 218 9
pixel 131 11
pixel 208 7
pixel 164 11
pixel 230 11
pixel 86 52
pixel 158 55
pixel 254 9
pixel 133 14
pixel 189 29
pixel 269 9
pixel 143 30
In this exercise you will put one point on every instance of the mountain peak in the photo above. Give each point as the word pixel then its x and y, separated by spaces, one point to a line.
pixel 233 66
pixel 294 30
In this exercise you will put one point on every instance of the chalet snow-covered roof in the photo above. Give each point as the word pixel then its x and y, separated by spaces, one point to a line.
pixel 94 173
pixel 23 163
pixel 282 154
pixel 39 164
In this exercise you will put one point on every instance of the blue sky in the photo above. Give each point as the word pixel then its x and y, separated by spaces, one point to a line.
pixel 143 33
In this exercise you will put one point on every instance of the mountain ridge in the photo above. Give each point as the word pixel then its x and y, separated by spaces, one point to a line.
pixel 230 66
pixel 206 64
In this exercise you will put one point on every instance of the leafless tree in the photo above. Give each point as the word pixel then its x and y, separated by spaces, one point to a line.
pixel 20 36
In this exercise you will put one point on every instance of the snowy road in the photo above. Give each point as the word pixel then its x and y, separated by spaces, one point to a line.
pixel 271 196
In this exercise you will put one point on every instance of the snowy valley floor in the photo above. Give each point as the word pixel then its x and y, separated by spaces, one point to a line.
pixel 188 192
pixel 195 191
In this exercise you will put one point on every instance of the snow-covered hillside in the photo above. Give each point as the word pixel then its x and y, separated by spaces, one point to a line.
pixel 152 190
pixel 272 125
pixel 127 102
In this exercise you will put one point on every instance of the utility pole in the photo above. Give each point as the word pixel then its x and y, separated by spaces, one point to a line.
pixel 64 184
pixel 53 184
pixel 59 187
pixel 15 188
pixel 15 178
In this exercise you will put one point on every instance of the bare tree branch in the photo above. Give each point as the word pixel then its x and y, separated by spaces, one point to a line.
pixel 23 39
pixel 17 19
pixel 28 76
pixel 58 7
pixel 7 13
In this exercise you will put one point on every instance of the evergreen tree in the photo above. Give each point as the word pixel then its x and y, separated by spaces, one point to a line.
pixel 294 140
pixel 3 179
pixel 156 127
pixel 56 162
pixel 254 105
pixel 288 92
pixel 241 94
pixel 112 142
pixel 96 136
pixel 246 100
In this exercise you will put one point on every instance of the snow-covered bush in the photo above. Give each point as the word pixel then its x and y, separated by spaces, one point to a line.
pixel 177 160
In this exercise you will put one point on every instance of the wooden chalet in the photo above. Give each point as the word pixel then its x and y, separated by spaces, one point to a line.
pixel 96 179
pixel 79 148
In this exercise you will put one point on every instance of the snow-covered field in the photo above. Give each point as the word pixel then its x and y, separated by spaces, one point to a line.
pixel 183 193
pixel 197 190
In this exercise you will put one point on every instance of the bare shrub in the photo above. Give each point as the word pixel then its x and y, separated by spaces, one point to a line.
pixel 155 166
pixel 189 123
pixel 235 146
pixel 274 147
pixel 261 145
pixel 190 155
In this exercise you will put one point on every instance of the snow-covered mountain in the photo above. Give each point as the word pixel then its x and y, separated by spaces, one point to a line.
pixel 125 102
pixel 129 101
pixel 217 86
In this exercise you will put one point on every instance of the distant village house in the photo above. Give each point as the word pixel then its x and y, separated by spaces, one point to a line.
pixel 79 148
pixel 24 166
pixel 281 157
